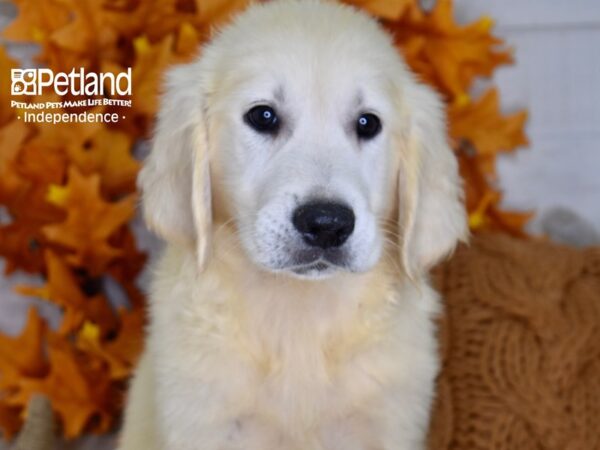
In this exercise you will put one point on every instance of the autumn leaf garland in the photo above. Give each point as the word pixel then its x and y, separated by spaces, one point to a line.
pixel 68 190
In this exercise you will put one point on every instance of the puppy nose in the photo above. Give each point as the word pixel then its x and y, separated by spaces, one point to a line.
pixel 324 225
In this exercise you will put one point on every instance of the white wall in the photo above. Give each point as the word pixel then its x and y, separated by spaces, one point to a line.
pixel 557 77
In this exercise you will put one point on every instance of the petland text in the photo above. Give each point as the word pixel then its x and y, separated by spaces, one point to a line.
pixel 75 82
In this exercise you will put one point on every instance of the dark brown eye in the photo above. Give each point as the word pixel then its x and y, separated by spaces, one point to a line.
pixel 263 119
pixel 368 126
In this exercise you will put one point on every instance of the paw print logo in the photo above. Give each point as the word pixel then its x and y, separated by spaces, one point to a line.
pixel 23 82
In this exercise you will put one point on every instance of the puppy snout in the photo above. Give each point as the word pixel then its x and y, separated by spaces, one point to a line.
pixel 324 224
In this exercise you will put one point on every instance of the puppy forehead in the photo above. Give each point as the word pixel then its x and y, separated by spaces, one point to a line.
pixel 303 21
pixel 286 87
pixel 291 81
pixel 302 43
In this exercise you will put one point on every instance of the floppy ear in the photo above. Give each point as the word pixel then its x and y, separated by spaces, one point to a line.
pixel 432 217
pixel 175 179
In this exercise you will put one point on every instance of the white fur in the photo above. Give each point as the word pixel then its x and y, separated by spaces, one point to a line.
pixel 242 351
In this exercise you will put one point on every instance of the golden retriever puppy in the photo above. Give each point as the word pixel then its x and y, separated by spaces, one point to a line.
pixel 301 178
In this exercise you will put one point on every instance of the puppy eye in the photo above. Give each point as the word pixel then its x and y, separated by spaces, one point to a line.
pixel 263 119
pixel 368 126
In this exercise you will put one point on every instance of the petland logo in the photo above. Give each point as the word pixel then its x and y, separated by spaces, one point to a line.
pixel 98 90
pixel 76 82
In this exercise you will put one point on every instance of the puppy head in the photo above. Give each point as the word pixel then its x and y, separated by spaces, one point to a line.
pixel 316 138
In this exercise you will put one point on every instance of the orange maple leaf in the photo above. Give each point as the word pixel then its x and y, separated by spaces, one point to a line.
pixel 21 242
pixel 20 357
pixel 120 353
pixel 128 344
pixel 25 171
pixel 481 123
pixel 36 20
pixel 90 222
pixel 445 54
pixel 384 9
pixel 63 289
pixel 151 61
pixel 12 137
pixel 187 40
pixel 86 32
pixel 107 153
pixel 10 420
pixel 23 355
pixel 76 387
pixel 6 65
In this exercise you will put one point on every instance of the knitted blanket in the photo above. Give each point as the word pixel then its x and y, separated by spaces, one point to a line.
pixel 520 345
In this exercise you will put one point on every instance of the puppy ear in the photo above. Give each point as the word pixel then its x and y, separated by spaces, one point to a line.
pixel 432 216
pixel 175 178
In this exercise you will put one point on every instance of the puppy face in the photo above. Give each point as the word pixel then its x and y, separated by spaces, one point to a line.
pixel 303 125
pixel 304 158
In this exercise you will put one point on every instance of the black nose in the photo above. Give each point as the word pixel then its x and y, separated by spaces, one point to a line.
pixel 324 225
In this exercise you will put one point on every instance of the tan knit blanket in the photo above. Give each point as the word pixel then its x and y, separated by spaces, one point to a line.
pixel 520 344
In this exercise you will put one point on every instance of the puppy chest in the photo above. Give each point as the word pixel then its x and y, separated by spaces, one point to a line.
pixel 310 383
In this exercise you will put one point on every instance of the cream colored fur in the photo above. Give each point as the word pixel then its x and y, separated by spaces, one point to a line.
pixel 242 354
